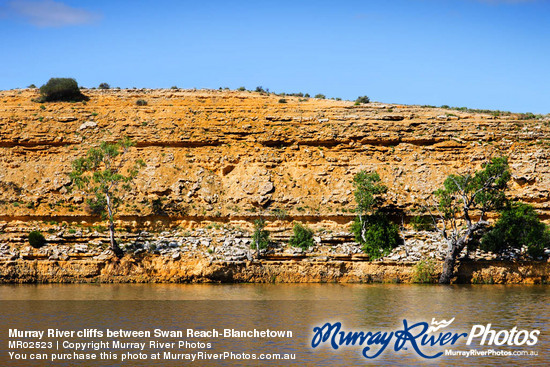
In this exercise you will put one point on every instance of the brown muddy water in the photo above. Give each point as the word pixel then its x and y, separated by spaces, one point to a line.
pixel 298 308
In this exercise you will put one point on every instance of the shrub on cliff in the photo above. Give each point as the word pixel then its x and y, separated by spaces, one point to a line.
pixel 362 100
pixel 61 89
pixel 377 234
pixel 518 227
pixel 422 223
pixel 141 102
pixel 104 86
pixel 302 237
pixel 424 271
pixel 36 239
pixel 372 228
pixel 260 238
pixel 261 90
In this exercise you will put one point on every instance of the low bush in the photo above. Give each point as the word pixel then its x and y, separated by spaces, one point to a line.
pixel 61 89
pixel 36 239
pixel 104 86
pixel 377 234
pixel 157 206
pixel 261 90
pixel 362 100
pixel 302 237
pixel 279 213
pixel 299 94
pixel 424 272
pixel 517 227
pixel 260 238
pixel 141 102
pixel 421 223
pixel 282 100
pixel 320 96
pixel 528 116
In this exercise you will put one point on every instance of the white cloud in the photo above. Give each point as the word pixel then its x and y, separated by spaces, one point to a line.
pixel 50 13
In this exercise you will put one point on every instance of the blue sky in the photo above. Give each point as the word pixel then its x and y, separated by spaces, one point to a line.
pixel 490 54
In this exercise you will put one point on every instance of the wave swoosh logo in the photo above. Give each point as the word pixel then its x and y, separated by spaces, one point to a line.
pixel 439 325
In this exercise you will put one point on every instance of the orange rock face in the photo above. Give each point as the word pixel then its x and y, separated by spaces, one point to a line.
pixel 230 156
pixel 157 269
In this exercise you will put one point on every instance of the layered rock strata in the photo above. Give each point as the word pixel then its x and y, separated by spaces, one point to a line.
pixel 224 158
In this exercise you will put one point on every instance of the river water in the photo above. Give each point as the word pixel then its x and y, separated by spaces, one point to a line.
pixel 281 307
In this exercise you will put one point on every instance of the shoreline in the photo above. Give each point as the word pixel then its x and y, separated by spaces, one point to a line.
pixel 159 269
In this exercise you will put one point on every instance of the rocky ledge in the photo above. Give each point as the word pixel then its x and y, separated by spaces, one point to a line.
pixel 159 269
pixel 225 255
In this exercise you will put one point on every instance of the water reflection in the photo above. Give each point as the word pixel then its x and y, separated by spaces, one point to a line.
pixel 296 307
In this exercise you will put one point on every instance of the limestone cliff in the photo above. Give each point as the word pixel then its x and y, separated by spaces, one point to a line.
pixel 155 269
pixel 224 155
pixel 223 158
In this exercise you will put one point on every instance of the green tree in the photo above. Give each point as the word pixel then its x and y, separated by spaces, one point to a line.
pixel 378 234
pixel 517 227
pixel 105 173
pixel 368 192
pixel 422 223
pixel 302 237
pixel 362 100
pixel 260 238
pixel 372 228
pixel 464 197
pixel 61 89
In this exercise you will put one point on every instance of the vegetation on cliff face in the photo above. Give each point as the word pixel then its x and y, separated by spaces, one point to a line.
pixel 218 158
pixel 462 197
pixel 260 238
pixel 104 173
pixel 36 239
pixel 372 228
pixel 362 100
pixel 61 89
pixel 424 271
pixel 518 227
pixel 302 237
